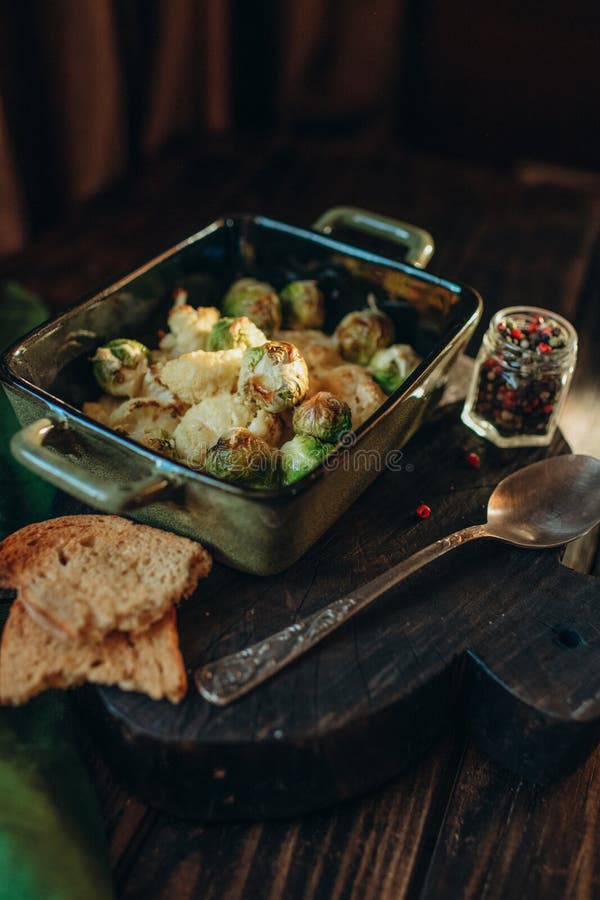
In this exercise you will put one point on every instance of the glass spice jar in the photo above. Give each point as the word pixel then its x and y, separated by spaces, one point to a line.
pixel 521 377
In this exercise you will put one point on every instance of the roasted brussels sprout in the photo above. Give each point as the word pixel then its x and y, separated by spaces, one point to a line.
pixel 323 416
pixel 360 334
pixel 256 300
pixel 301 455
pixel 274 376
pixel 228 334
pixel 163 444
pixel 391 366
pixel 302 305
pixel 243 458
pixel 119 367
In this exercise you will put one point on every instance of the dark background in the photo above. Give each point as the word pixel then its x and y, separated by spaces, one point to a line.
pixel 179 110
pixel 90 90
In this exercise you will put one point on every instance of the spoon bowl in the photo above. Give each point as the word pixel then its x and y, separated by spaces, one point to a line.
pixel 546 504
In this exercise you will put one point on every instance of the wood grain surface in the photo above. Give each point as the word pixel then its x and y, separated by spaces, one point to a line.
pixel 454 824
pixel 485 635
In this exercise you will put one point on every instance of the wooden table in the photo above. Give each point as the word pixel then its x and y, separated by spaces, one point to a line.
pixel 455 824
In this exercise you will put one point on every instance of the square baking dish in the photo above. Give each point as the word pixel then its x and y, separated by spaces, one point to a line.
pixel 47 377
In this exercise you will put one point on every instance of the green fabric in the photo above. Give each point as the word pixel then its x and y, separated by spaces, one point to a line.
pixel 52 843
pixel 24 497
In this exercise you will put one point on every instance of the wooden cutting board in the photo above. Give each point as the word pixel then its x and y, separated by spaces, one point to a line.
pixel 506 640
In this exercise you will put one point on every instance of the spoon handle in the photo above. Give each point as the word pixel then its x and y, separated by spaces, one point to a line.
pixel 224 680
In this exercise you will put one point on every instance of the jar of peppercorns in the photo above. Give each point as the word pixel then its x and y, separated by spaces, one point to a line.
pixel 521 377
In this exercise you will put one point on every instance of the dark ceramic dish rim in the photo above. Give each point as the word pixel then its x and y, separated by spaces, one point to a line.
pixel 178 472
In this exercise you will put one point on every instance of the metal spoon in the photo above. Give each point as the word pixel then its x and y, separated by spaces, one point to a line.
pixel 546 504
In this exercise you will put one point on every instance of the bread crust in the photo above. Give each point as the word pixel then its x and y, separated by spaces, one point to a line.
pixel 15 547
pixel 33 659
pixel 91 574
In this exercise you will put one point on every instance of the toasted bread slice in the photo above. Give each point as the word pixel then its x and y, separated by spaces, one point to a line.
pixel 15 547
pixel 33 660
pixel 90 575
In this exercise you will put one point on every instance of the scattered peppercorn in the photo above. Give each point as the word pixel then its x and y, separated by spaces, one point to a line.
pixel 473 460
pixel 423 511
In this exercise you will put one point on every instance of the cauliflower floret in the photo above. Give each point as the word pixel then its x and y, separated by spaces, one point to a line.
pixel 201 374
pixel 159 356
pixel 148 421
pixel 188 329
pixel 153 387
pixel 353 384
pixel 318 349
pixel 267 426
pixel 204 423
pixel 100 410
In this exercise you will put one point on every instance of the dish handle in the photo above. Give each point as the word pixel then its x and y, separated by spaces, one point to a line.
pixel 28 448
pixel 418 242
